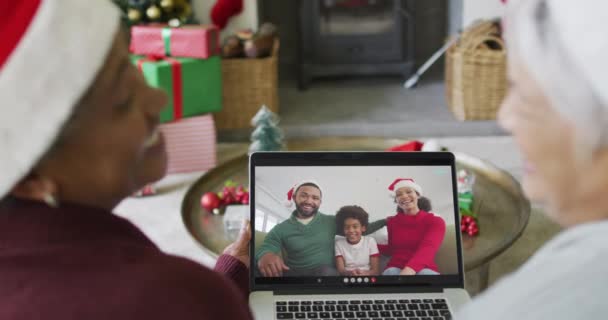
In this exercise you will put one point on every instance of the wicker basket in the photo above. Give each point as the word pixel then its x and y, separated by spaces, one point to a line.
pixel 247 85
pixel 475 74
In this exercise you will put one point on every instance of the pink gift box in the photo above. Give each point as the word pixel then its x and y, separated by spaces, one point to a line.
pixel 191 144
pixel 193 41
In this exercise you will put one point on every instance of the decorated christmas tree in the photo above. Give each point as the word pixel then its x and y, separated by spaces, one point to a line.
pixel 267 135
pixel 173 12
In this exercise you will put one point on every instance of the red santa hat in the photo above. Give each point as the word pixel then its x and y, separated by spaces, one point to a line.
pixel 404 182
pixel 50 53
pixel 292 191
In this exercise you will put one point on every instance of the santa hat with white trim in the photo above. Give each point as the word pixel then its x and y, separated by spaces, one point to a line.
pixel 404 182
pixel 50 53
pixel 292 192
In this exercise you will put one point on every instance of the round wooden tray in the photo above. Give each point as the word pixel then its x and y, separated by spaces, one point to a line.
pixel 503 214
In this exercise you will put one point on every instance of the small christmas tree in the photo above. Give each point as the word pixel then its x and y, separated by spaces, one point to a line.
pixel 267 135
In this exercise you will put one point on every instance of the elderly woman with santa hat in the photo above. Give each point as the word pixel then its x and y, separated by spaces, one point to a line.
pixel 414 235
pixel 79 133
pixel 557 112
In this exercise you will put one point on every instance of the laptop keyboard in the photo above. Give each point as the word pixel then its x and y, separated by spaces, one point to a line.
pixel 410 309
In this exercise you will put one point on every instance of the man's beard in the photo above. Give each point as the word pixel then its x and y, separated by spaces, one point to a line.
pixel 305 214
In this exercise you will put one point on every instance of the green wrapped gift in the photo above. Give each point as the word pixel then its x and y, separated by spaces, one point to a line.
pixel 465 201
pixel 194 86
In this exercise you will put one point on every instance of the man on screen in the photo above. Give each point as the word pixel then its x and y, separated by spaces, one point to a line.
pixel 303 245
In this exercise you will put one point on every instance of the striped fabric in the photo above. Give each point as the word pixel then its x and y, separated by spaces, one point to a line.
pixel 191 144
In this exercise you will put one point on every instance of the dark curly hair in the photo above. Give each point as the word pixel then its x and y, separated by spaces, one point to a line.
pixel 354 212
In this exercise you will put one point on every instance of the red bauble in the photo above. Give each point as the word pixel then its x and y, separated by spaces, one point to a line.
pixel 227 191
pixel 210 201
pixel 240 193
pixel 245 198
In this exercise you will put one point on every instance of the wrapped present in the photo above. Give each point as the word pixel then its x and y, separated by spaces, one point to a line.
pixel 194 86
pixel 201 41
pixel 191 144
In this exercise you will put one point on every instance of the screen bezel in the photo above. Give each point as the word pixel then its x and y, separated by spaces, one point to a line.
pixel 282 159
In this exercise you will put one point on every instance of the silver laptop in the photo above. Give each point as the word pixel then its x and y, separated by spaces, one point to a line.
pixel 355 235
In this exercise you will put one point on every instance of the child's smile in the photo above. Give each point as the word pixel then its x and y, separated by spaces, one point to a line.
pixel 353 230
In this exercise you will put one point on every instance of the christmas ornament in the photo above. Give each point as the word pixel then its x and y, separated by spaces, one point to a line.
pixel 233 193
pixel 173 12
pixel 267 135
pixel 167 5
pixel 469 223
pixel 175 22
pixel 232 48
pixel 465 181
pixel 134 15
pixel 211 202
pixel 223 10
pixel 153 13
pixel 185 12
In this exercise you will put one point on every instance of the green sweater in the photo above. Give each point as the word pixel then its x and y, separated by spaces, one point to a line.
pixel 306 246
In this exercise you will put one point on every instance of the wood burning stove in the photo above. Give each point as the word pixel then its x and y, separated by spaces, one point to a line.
pixel 354 37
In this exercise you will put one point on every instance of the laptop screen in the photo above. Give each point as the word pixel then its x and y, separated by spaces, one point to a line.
pixel 354 219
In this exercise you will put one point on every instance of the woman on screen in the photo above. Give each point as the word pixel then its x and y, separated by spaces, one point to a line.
pixel 414 235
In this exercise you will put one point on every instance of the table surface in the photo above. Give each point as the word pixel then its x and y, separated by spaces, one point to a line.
pixel 503 210
pixel 159 216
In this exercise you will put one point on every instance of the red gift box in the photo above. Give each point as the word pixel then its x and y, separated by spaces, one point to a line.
pixel 200 41
pixel 190 143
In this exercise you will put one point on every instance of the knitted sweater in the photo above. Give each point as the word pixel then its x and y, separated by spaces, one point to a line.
pixel 77 262
pixel 306 246
pixel 565 279
pixel 413 240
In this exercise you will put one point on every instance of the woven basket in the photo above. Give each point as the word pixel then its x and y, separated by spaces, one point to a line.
pixel 247 84
pixel 475 74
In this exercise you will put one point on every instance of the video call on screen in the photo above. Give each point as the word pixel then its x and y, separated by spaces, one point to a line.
pixel 344 221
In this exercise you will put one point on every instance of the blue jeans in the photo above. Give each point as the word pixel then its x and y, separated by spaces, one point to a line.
pixel 393 271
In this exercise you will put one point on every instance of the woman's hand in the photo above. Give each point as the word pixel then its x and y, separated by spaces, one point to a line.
pixel 407 271
pixel 240 248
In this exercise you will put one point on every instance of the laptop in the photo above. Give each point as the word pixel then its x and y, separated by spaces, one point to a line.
pixel 322 261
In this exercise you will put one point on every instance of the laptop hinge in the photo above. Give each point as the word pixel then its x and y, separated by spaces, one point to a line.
pixel 309 291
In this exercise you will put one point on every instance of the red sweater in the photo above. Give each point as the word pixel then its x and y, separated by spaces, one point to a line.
pixel 78 262
pixel 413 240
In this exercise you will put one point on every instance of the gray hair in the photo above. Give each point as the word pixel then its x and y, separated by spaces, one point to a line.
pixel 542 41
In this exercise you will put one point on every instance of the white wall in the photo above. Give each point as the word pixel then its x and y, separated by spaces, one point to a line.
pixel 363 186
pixel 247 19
pixel 461 13
pixel 481 9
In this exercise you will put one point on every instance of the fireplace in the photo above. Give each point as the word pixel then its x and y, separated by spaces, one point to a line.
pixel 354 37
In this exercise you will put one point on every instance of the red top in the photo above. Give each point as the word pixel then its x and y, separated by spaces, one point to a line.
pixel 78 262
pixel 413 240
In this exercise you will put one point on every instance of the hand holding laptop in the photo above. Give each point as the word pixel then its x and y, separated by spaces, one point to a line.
pixel 240 248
